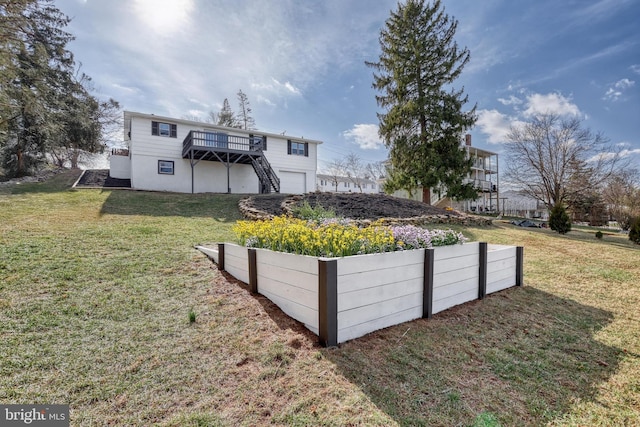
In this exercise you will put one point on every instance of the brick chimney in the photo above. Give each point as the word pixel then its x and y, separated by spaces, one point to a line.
pixel 467 139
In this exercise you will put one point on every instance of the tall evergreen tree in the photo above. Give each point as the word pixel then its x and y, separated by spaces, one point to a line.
pixel 226 116
pixel 36 66
pixel 245 119
pixel 84 122
pixel 423 122
pixel 42 104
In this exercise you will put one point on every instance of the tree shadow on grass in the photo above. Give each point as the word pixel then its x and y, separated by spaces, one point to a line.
pixel 58 183
pixel 221 207
pixel 521 356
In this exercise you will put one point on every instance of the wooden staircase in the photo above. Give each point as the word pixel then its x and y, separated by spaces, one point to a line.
pixel 266 175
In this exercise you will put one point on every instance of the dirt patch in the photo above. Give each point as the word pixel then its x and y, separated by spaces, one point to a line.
pixel 374 206
pixel 100 178
pixel 350 205
pixel 358 206
pixel 40 176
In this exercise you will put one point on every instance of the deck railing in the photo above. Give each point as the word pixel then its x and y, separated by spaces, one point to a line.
pixel 222 141
pixel 482 185
pixel 119 151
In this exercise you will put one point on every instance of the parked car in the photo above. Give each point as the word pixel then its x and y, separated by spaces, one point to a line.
pixel 526 223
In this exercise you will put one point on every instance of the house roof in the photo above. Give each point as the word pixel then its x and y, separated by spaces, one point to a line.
pixel 129 114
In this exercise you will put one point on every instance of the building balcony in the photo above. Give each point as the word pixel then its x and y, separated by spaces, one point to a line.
pixel 231 150
pixel 216 146
pixel 482 185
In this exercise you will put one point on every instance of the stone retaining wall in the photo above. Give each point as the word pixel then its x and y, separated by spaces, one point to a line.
pixel 250 212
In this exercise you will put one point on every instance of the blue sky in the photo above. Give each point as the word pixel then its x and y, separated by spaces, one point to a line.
pixel 301 63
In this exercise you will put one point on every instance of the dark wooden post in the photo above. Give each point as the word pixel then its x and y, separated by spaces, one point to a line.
pixel 519 266
pixel 427 294
pixel 221 256
pixel 482 281
pixel 328 302
pixel 253 271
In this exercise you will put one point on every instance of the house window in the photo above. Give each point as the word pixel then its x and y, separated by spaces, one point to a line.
pixel 298 148
pixel 164 129
pixel 165 167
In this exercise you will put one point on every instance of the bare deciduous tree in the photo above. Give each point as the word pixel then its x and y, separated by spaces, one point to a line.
pixel 376 170
pixel 554 159
pixel 336 170
pixel 622 196
pixel 355 170
pixel 245 120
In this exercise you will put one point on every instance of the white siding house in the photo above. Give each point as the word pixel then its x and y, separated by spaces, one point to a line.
pixel 167 154
pixel 344 184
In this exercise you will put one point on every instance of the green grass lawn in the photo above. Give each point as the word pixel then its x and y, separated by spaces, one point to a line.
pixel 97 289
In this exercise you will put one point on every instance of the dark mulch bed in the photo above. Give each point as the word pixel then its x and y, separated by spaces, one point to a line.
pixel 101 178
pixel 353 205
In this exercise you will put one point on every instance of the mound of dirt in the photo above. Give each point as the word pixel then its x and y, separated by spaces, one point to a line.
pixel 350 205
pixel 100 178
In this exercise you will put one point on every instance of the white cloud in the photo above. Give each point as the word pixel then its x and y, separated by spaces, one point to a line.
pixel 291 88
pixel 125 89
pixel 494 124
pixel 627 153
pixel 266 101
pixel 624 83
pixel 197 114
pixel 551 103
pixel 635 68
pixel 513 100
pixel 612 95
pixel 276 87
pixel 365 135
pixel 609 156
pixel 615 91
pixel 163 16
pixel 199 103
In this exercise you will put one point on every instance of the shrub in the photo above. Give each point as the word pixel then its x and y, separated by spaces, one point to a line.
pixel 634 231
pixel 598 234
pixel 308 212
pixel 559 219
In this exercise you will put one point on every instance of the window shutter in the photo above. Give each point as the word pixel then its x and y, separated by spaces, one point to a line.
pixel 288 146
pixel 154 128
pixel 264 142
pixel 174 131
pixel 306 149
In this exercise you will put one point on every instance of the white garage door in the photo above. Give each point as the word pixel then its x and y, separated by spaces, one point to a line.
pixel 292 182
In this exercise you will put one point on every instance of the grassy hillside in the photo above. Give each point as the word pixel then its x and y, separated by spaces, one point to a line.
pixel 96 289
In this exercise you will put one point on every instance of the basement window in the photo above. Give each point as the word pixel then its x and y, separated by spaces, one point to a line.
pixel 165 167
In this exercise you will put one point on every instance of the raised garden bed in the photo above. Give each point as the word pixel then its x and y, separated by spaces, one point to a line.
pixel 340 299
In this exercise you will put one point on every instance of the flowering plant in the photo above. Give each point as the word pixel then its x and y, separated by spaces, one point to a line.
pixel 337 237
